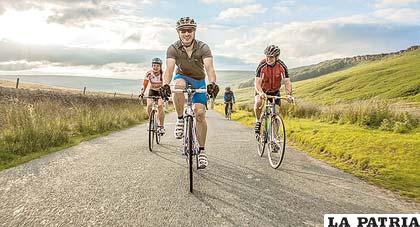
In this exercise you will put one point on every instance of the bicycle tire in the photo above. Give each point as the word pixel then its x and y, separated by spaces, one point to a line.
pixel 157 134
pixel 279 143
pixel 262 139
pixel 151 129
pixel 189 122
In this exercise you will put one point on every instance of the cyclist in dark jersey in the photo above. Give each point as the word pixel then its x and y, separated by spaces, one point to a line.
pixel 229 99
pixel 154 78
pixel 269 74
pixel 194 60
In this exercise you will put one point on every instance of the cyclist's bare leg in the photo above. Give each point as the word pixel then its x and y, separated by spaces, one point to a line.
pixel 161 113
pixel 149 106
pixel 200 116
pixel 276 123
pixel 257 107
pixel 179 98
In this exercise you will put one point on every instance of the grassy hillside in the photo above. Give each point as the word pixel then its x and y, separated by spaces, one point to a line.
pixel 387 159
pixel 348 118
pixel 330 66
pixel 396 78
pixel 231 78
pixel 35 123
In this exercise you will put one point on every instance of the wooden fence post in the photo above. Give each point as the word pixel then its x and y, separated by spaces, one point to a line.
pixel 17 83
pixel 84 90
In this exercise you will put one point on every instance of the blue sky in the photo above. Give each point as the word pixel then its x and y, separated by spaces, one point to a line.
pixel 117 38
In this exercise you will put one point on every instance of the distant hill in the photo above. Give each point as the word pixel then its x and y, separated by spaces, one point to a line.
pixel 232 78
pixel 329 66
pixel 396 78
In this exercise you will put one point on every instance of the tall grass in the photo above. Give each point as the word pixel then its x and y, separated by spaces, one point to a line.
pixel 36 121
pixel 373 114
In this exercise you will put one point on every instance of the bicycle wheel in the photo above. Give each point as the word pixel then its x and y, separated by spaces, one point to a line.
pixel 151 129
pixel 189 124
pixel 229 113
pixel 262 139
pixel 157 134
pixel 277 142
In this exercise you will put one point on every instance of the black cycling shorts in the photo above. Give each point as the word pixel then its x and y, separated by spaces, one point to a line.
pixel 154 93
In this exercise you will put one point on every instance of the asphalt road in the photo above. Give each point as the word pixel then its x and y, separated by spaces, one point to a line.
pixel 116 181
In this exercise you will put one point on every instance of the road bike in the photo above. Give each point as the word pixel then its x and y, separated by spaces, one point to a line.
pixel 229 110
pixel 272 133
pixel 154 133
pixel 190 144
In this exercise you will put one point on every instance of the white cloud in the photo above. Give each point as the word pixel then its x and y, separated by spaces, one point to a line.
pixel 391 3
pixel 399 15
pixel 31 27
pixel 304 43
pixel 21 65
pixel 284 6
pixel 227 1
pixel 241 12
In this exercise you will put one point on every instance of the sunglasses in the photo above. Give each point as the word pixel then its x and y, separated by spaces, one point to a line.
pixel 183 31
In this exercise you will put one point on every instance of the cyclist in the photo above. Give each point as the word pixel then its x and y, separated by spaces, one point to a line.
pixel 193 59
pixel 154 76
pixel 269 74
pixel 229 99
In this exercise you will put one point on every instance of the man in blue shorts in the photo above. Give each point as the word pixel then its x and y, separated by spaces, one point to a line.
pixel 193 59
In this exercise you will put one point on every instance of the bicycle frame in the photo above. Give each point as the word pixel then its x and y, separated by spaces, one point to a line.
pixel 269 136
pixel 270 110
pixel 190 143
pixel 153 119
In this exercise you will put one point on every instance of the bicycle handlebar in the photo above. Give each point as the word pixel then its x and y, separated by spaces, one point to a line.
pixel 189 90
pixel 274 97
pixel 152 97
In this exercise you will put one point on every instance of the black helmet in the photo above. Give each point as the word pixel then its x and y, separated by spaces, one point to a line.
pixel 272 50
pixel 185 22
pixel 227 88
pixel 156 61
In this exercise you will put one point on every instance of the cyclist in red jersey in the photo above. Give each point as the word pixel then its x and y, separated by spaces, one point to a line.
pixel 269 74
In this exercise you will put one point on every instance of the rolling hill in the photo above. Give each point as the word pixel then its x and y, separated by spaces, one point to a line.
pixel 394 78
pixel 329 66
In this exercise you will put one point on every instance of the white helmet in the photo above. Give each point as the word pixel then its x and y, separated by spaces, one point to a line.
pixel 272 50
pixel 185 22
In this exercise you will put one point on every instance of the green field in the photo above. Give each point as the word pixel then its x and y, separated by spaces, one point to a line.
pixel 394 78
pixel 349 119
pixel 387 159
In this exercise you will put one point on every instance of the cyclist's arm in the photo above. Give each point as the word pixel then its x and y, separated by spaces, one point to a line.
pixel 288 86
pixel 258 82
pixel 170 67
pixel 233 97
pixel 143 89
pixel 145 83
pixel 208 65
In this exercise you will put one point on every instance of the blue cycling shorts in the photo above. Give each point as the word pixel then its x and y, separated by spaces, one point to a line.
pixel 196 84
